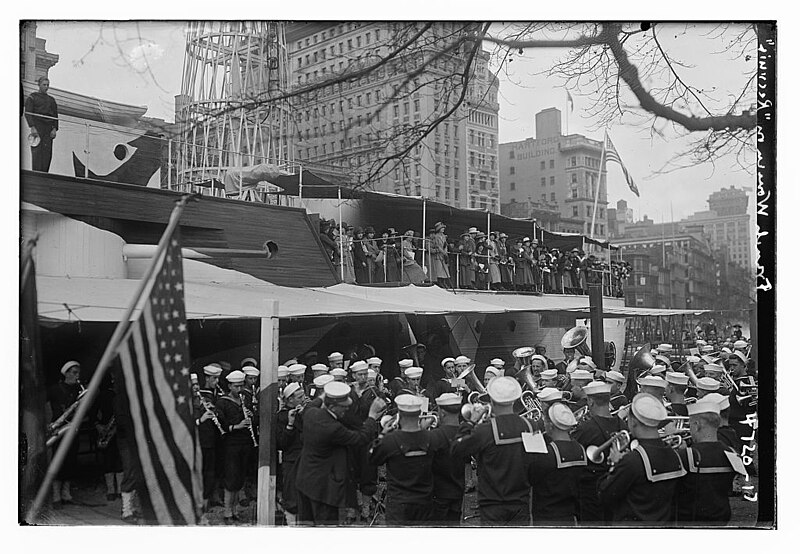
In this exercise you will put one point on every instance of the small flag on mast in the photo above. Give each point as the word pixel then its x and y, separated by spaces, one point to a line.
pixel 613 156
pixel 154 355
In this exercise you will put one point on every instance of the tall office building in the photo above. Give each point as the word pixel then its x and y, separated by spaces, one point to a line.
pixel 561 169
pixel 355 124
pixel 727 224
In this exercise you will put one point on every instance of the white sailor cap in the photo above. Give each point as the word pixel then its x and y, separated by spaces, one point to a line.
pixel 581 375
pixel 372 374
pixel 448 399
pixel 359 365
pixel 251 371
pixel 653 351
pixel 374 361
pixel 336 391
pixel 235 377
pixel 652 381
pixel 549 374
pixel 703 406
pixel 212 370
pixel 319 367
pixel 491 370
pixel 248 361
pixel 193 376
pixel 408 403
pixel 677 378
pixel 713 368
pixel 597 387
pixel 561 417
pixel 405 364
pixel 615 376
pixel 497 362
pixel 448 360
pixel 333 356
pixel 338 372
pixel 297 369
pixel 648 409
pixel 413 372
pixel 283 371
pixel 290 389
pixel 462 360
pixel 666 361
pixel 658 369
pixel 540 358
pixel 708 384
pixel 740 345
pixel 664 347
pixel 707 359
pixel 722 401
pixel 320 380
pixel 69 365
pixel 739 354
pixel 726 350
pixel 549 394
pixel 707 348
pixel 693 359
pixel 700 342
pixel 504 390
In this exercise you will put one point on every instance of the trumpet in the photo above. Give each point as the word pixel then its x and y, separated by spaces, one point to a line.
pixel 677 440
pixel 468 410
pixel 596 454
pixel 533 407
pixel 582 414
pixel 434 420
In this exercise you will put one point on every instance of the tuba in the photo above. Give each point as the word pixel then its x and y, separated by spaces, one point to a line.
pixel 533 407
pixel 642 361
pixel 576 338
pixel 524 375
pixel 472 381
pixel 524 354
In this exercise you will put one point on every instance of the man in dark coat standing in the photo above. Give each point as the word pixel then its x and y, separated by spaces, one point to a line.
pixel 41 113
pixel 322 472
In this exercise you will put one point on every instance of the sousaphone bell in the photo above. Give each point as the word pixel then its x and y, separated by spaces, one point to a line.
pixel 575 338
pixel 642 361
pixel 472 381
pixel 525 356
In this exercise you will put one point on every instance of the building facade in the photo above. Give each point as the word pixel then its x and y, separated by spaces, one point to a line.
pixel 562 170
pixel 727 224
pixel 34 59
pixel 357 123
pixel 675 272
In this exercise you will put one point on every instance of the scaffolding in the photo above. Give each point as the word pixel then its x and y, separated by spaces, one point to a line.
pixel 232 111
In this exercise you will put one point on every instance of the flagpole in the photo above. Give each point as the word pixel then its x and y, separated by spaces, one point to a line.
pixel 566 113
pixel 599 180
pixel 105 361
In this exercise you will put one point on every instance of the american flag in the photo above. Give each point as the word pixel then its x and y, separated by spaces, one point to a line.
pixel 613 156
pixel 155 362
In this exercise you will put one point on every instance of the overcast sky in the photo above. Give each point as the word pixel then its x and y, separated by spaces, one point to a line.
pixel 141 64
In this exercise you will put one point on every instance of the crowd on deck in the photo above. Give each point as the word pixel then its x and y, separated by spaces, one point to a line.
pixel 475 261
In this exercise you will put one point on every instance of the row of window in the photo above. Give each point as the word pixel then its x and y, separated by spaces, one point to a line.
pixel 479 138
pixel 332 32
pixel 320 55
pixel 481 118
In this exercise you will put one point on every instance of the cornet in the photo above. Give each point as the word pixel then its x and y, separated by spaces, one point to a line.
pixel 533 407
pixel 468 410
pixel 596 454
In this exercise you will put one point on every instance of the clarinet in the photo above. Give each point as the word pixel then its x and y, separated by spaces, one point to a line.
pixel 210 410
pixel 248 415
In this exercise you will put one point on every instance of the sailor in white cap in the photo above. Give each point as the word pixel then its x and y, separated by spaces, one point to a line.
pixel 569 355
pixel 555 475
pixel 250 397
pixel 413 377
pixel 677 383
pixel 375 363
pixel 336 359
pixel 297 373
pixel 289 440
pixel 358 371
pixel 248 362
pixel 548 378
pixel 408 453
pixel 701 497
pixel 498 363
pixel 283 375
pixel 338 374
pixel 594 430
pixel 325 453
pixel 538 364
pixel 740 345
pixel 462 362
pixel 664 348
pixel 639 487
pixel 650 384
pixel 726 434
pixel 737 365
pixel 61 396
pixel 705 385
pixel 448 472
pixel 318 384
pixel 503 487
pixel 577 380
pixel 399 383
pixel 490 373
pixel 444 384
pixel 616 380
pixel 237 443
pixel 318 369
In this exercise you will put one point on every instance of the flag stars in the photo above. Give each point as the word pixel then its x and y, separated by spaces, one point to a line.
pixel 182 327
pixel 185 371
pixel 167 358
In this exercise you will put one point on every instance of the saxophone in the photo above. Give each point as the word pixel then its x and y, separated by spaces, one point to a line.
pixel 209 408
pixel 61 425
pixel 249 415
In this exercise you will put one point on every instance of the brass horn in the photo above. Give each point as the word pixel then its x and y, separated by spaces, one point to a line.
pixel 642 360
pixel 472 381
pixel 576 338
pixel 525 376
pixel 524 354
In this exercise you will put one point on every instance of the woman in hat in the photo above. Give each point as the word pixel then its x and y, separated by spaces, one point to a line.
pixel 412 272
pixel 347 254
pixel 440 272
pixel 360 257
pixel 466 261
pixel 389 258
pixel 371 247
pixel 494 261
pixel 505 263
pixel 482 263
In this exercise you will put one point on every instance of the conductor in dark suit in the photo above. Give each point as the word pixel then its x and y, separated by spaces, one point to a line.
pixel 322 472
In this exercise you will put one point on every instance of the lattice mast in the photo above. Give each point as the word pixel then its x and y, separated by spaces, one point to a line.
pixel 232 73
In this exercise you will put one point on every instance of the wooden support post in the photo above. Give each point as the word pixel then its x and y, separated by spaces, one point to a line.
pixel 596 317
pixel 268 399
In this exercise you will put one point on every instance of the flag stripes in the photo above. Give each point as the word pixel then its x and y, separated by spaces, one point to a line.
pixel 613 156
pixel 154 358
